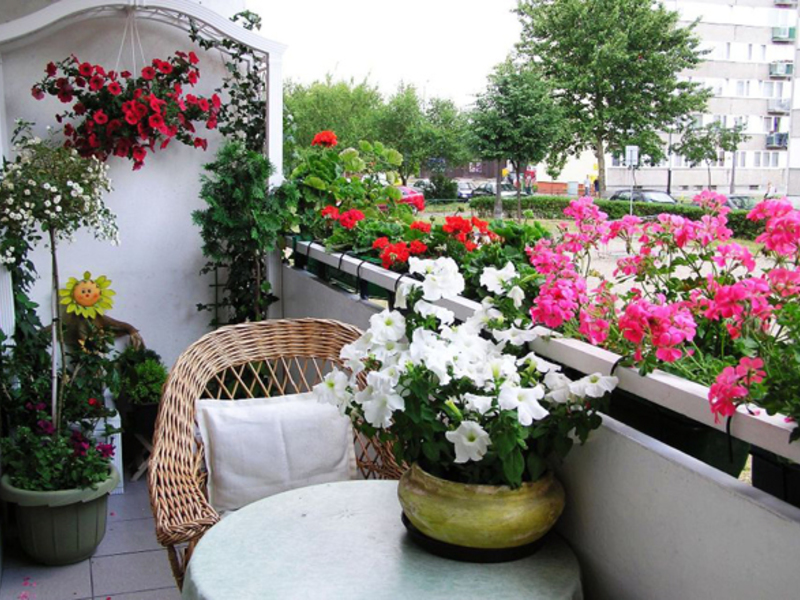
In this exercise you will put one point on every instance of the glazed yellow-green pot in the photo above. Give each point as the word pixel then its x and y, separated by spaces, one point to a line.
pixel 480 516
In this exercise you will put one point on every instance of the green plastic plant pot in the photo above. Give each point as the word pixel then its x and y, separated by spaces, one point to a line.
pixel 480 516
pixel 60 527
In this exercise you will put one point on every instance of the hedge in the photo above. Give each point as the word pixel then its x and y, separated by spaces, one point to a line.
pixel 552 207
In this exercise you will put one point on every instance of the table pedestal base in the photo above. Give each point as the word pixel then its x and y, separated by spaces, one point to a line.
pixel 473 555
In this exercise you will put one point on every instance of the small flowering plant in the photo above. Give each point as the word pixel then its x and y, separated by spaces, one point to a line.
pixel 128 115
pixel 466 401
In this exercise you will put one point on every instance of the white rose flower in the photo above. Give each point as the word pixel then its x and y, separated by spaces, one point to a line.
pixel 494 280
pixel 333 390
pixel 387 326
pixel 525 401
pixel 478 403
pixel 594 385
pixel 471 441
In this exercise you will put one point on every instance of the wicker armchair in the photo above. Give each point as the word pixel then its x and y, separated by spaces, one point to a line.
pixel 261 359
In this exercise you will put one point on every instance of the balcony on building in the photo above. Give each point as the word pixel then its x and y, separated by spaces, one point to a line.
pixel 786 3
pixel 779 106
pixel 777 141
pixel 784 34
pixel 781 69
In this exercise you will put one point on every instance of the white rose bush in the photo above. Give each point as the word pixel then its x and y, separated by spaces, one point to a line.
pixel 466 401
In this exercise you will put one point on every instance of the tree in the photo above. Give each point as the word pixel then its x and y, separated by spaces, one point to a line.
pixel 348 108
pixel 614 65
pixel 447 134
pixel 402 124
pixel 515 119
pixel 705 144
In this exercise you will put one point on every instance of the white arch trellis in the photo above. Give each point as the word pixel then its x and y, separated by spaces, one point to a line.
pixel 176 13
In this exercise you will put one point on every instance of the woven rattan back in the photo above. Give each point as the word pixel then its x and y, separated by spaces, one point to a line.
pixel 251 360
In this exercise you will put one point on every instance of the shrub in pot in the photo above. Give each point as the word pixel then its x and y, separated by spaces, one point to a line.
pixel 141 377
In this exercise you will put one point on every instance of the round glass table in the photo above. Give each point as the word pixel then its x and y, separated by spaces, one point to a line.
pixel 346 541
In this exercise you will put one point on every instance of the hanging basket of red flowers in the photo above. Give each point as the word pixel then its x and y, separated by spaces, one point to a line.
pixel 118 114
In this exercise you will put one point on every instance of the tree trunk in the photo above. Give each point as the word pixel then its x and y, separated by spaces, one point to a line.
pixel 57 339
pixel 257 311
pixel 498 200
pixel 708 166
pixel 733 174
pixel 599 152
pixel 519 195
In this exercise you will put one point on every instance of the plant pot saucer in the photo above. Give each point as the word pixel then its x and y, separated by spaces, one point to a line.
pixel 465 554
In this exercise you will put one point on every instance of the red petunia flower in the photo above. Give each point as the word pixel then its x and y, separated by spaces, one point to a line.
pixel 79 109
pixel 326 139
pixel 192 77
pixel 114 88
pixel 201 143
pixel 148 73
pixel 125 74
pixel 156 121
pixel 193 58
pixel 139 153
pixel 96 83
pixel 100 117
pixel 215 101
pixel 37 92
pixel 99 70
pixel 85 69
pixel 51 69
pixel 203 104
pixel 164 67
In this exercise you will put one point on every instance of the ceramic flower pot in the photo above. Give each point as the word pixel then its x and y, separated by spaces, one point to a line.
pixel 60 527
pixel 485 517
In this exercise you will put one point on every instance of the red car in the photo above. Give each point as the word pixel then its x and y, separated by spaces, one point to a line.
pixel 413 197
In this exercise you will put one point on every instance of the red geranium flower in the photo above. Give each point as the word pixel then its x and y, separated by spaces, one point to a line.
pixel 148 73
pixel 331 212
pixel 349 219
pixel 100 117
pixel 326 138
pixel 85 69
pixel 417 247
pixel 422 226
pixel 380 243
pixel 193 58
pixel 114 88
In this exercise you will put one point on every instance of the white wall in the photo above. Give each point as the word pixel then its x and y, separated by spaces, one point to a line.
pixel 155 269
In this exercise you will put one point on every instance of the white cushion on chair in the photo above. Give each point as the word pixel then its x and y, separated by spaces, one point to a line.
pixel 258 447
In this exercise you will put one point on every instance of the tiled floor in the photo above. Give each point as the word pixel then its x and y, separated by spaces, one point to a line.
pixel 128 565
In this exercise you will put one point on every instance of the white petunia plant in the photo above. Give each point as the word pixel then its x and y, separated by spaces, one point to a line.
pixel 467 401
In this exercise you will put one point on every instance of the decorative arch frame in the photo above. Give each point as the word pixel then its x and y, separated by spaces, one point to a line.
pixel 176 13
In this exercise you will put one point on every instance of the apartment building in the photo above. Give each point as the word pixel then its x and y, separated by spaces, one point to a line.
pixel 750 66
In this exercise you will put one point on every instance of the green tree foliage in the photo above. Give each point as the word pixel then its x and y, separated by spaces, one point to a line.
pixel 447 135
pixel 705 144
pixel 614 65
pixel 346 107
pixel 242 223
pixel 516 119
pixel 402 124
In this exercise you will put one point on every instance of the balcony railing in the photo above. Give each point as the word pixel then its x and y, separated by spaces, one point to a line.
pixel 783 69
pixel 778 141
pixel 787 3
pixel 783 34
pixel 779 106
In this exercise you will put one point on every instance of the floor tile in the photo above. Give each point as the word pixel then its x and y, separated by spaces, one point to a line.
pixel 171 593
pixel 128 536
pixel 71 582
pixel 133 504
pixel 133 572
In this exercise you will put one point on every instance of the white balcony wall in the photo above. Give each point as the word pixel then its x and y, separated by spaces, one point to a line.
pixel 155 269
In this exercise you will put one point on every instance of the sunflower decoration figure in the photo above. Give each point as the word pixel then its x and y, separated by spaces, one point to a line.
pixel 87 297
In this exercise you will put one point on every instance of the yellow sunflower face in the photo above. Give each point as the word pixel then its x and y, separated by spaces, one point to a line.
pixel 87 297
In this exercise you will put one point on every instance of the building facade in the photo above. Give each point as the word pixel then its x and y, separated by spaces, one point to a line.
pixel 751 69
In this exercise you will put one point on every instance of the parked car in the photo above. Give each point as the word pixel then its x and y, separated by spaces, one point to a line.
pixel 413 197
pixel 421 184
pixel 465 190
pixel 489 189
pixel 644 196
pixel 740 202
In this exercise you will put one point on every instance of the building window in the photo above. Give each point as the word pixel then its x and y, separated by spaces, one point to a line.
pixel 774 159
pixel 740 88
pixel 763 53
pixel 753 187
pixel 778 89
pixel 756 159
pixel 742 159
pixel 767 89
pixel 749 51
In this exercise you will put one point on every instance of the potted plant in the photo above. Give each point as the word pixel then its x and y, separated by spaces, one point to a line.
pixel 53 464
pixel 141 377
pixel 478 418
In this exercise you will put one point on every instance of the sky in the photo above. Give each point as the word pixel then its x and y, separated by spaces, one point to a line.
pixel 444 47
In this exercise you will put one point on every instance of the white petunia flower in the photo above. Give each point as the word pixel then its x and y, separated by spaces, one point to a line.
pixel 442 277
pixel 428 349
pixel 333 390
pixel 480 404
pixel 426 309
pixel 515 336
pixel 525 401
pixel 517 295
pixel 378 404
pixel 538 363
pixel 494 280
pixel 387 326
pixel 471 441
pixel 354 353
pixel 401 295
pixel 594 385
pixel 558 386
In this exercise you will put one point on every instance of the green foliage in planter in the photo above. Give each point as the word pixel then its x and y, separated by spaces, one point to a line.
pixel 240 226
pixel 141 375
pixel 54 462
pixel 552 207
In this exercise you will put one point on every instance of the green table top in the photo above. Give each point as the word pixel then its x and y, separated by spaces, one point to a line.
pixel 345 541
